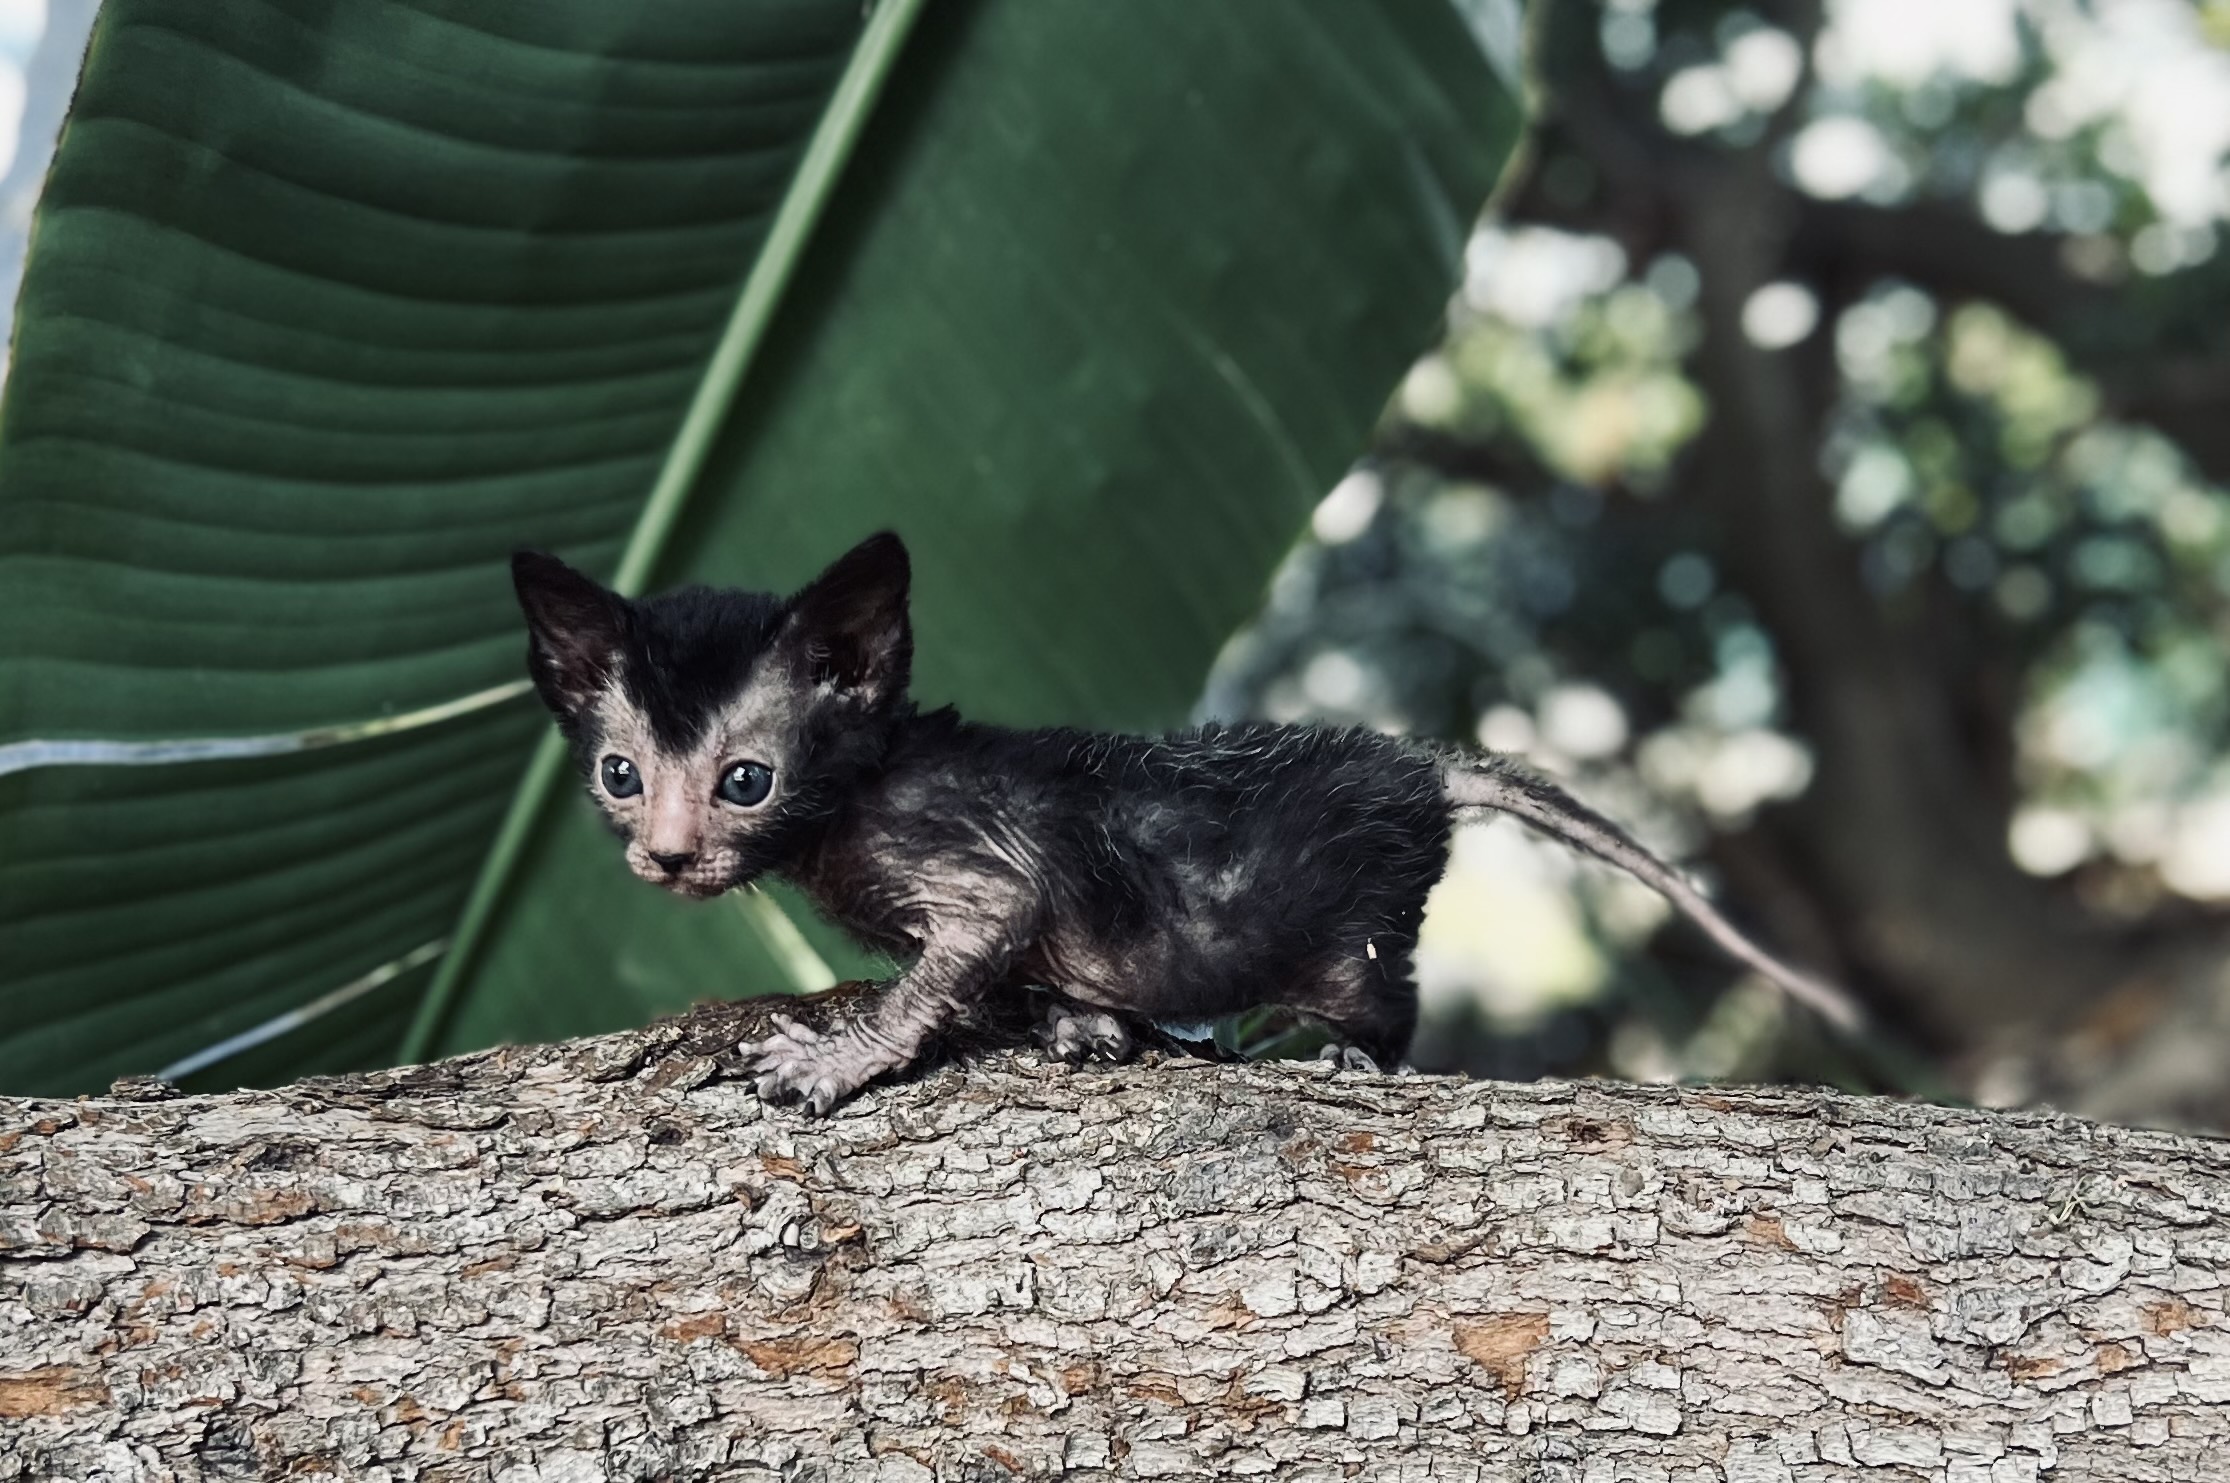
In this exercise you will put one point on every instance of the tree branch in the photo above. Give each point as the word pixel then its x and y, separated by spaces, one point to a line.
pixel 1945 248
pixel 606 1260
pixel 2104 332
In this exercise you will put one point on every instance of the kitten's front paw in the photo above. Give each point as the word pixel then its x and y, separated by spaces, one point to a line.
pixel 797 1064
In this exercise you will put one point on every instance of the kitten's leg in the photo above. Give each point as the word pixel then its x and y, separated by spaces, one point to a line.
pixel 1370 1003
pixel 799 1064
pixel 1075 1034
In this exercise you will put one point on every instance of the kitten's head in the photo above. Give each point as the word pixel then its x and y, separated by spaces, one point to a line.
pixel 719 729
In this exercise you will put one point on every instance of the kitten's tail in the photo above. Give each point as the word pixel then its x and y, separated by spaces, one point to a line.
pixel 1500 784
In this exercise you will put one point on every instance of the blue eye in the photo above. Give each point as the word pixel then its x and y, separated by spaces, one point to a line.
pixel 746 784
pixel 621 780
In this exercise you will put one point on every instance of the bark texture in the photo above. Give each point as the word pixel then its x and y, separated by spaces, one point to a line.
pixel 607 1260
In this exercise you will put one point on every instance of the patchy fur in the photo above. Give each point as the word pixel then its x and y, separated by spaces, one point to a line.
pixel 1175 878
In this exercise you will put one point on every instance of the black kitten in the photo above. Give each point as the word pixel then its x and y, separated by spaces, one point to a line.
pixel 727 734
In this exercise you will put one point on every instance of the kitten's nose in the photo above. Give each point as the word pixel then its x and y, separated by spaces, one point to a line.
pixel 673 864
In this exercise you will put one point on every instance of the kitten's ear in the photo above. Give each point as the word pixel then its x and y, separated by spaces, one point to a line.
pixel 574 629
pixel 852 620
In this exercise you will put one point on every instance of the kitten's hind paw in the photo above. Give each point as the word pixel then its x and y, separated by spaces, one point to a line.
pixel 1349 1058
pixel 797 1064
pixel 1074 1035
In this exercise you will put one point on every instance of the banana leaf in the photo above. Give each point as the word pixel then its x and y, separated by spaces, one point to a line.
pixel 329 307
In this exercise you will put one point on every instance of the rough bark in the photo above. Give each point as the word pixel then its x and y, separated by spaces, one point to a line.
pixel 607 1260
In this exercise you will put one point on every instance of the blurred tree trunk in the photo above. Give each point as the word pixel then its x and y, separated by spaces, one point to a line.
pixel 606 1260
pixel 1902 826
pixel 1899 845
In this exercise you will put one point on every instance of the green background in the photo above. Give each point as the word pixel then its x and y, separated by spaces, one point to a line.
pixel 330 307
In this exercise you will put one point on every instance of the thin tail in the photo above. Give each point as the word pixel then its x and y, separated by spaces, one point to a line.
pixel 1502 785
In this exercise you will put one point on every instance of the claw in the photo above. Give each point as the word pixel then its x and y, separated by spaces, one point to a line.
pixel 1073 1035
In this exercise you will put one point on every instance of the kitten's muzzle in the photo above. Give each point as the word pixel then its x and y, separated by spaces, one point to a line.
pixel 689 877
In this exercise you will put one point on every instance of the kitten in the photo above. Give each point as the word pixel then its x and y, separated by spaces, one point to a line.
pixel 729 734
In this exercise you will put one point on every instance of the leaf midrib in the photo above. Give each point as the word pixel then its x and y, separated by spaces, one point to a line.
pixel 758 301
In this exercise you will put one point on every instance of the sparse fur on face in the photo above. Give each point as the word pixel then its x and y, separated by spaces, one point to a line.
pixel 665 698
pixel 728 734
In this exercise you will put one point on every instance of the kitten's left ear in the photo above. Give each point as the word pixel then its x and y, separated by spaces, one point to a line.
pixel 574 631
pixel 852 620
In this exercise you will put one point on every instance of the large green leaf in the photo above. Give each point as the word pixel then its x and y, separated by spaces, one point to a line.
pixel 329 306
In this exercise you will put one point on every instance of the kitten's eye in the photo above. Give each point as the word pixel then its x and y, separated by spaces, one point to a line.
pixel 746 783
pixel 621 780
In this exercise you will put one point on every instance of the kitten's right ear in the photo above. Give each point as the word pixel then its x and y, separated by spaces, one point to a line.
pixel 574 630
pixel 852 620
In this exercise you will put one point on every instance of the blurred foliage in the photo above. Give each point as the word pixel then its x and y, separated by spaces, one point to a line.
pixel 1528 561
